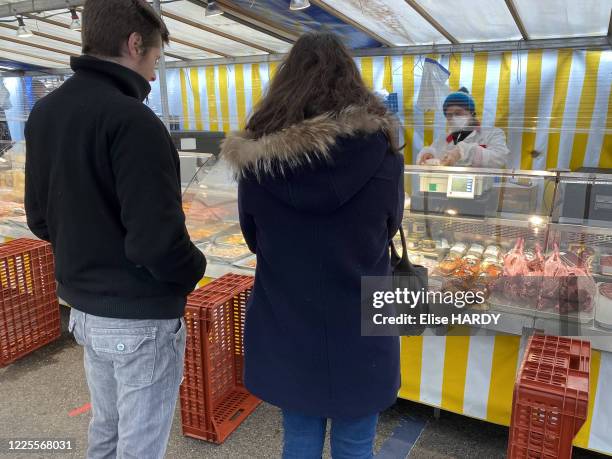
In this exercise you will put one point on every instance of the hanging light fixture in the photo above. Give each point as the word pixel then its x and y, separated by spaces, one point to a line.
pixel 76 22
pixel 299 5
pixel 22 30
pixel 212 10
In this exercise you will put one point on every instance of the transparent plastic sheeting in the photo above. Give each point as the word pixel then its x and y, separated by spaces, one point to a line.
pixel 552 105
pixel 198 40
pixel 208 40
pixel 565 18
pixel 39 50
pixel 221 23
pixel 22 51
pixel 59 16
pixel 33 59
pixel 393 20
pixel 474 20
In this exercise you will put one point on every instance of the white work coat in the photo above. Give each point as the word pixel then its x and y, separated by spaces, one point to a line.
pixel 484 147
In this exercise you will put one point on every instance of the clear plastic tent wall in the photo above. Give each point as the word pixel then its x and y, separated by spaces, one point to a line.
pixel 553 105
pixel 22 96
pixel 470 21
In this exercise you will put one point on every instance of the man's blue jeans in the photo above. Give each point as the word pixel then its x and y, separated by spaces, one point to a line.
pixel 134 369
pixel 304 437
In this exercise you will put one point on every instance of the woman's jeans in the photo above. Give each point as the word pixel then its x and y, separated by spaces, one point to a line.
pixel 350 438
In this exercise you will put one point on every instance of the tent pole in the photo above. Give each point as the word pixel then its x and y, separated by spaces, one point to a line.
pixel 163 87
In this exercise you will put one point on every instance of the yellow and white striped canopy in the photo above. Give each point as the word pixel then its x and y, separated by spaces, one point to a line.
pixel 554 101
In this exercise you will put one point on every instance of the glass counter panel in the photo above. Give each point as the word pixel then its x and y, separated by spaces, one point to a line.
pixel 211 212
pixel 480 193
pixel 12 188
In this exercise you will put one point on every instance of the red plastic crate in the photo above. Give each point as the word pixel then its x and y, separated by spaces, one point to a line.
pixel 551 398
pixel 214 401
pixel 29 308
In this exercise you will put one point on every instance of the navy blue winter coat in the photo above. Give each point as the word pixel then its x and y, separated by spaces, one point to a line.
pixel 319 202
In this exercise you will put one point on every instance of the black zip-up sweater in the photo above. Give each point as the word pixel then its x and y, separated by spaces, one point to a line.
pixel 103 186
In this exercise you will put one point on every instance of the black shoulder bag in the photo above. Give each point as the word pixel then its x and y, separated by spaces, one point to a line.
pixel 413 278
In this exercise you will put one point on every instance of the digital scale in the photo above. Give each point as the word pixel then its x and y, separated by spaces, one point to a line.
pixel 462 186
pixel 454 185
pixel 456 194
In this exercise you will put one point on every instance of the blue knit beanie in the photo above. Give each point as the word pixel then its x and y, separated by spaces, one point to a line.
pixel 461 98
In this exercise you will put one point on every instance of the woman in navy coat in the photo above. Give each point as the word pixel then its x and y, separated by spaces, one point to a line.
pixel 320 196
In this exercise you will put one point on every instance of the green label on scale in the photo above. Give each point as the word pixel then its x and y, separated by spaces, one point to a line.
pixel 433 187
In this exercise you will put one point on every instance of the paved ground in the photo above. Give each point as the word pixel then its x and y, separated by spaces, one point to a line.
pixel 38 392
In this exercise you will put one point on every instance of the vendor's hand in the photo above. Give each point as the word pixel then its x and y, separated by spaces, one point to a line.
pixel 424 157
pixel 451 157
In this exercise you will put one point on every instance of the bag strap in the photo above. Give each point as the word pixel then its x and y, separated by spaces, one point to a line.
pixel 395 256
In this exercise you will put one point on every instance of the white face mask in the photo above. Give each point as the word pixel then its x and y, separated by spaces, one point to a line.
pixel 457 123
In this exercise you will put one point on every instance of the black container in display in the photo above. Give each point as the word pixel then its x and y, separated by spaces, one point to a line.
pixel 193 146
pixel 585 199
pixel 198 141
pixel 485 205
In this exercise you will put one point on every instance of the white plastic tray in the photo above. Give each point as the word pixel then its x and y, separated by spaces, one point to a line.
pixel 603 311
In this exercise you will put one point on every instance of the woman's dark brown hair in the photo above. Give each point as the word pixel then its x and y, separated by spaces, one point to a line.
pixel 318 76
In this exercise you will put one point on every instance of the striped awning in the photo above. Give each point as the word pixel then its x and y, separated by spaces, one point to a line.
pixel 555 102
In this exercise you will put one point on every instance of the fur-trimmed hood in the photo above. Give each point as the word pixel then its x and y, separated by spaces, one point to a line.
pixel 319 164
pixel 303 142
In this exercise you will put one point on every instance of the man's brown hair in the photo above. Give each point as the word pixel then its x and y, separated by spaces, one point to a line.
pixel 107 25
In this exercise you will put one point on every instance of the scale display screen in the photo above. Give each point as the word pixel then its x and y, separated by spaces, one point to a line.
pixel 461 186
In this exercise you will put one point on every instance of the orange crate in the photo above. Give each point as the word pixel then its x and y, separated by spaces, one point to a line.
pixel 214 401
pixel 551 398
pixel 29 308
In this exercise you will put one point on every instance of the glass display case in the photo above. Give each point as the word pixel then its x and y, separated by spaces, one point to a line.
pixel 523 234
pixel 540 241
pixel 211 212
pixel 581 226
pixel 12 188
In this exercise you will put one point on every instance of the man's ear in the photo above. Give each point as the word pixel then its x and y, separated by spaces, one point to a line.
pixel 134 45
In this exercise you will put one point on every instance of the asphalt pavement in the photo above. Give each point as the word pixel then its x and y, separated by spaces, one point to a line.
pixel 44 396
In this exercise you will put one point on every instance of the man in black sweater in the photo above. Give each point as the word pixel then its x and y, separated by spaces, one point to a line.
pixel 103 186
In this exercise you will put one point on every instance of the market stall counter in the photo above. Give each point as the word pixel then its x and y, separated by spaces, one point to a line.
pixel 465 223
pixel 529 229
pixel 462 224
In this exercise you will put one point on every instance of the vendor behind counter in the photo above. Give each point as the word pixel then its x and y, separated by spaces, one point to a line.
pixel 468 144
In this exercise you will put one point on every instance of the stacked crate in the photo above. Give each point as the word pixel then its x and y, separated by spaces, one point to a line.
pixel 551 398
pixel 214 401
pixel 29 308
